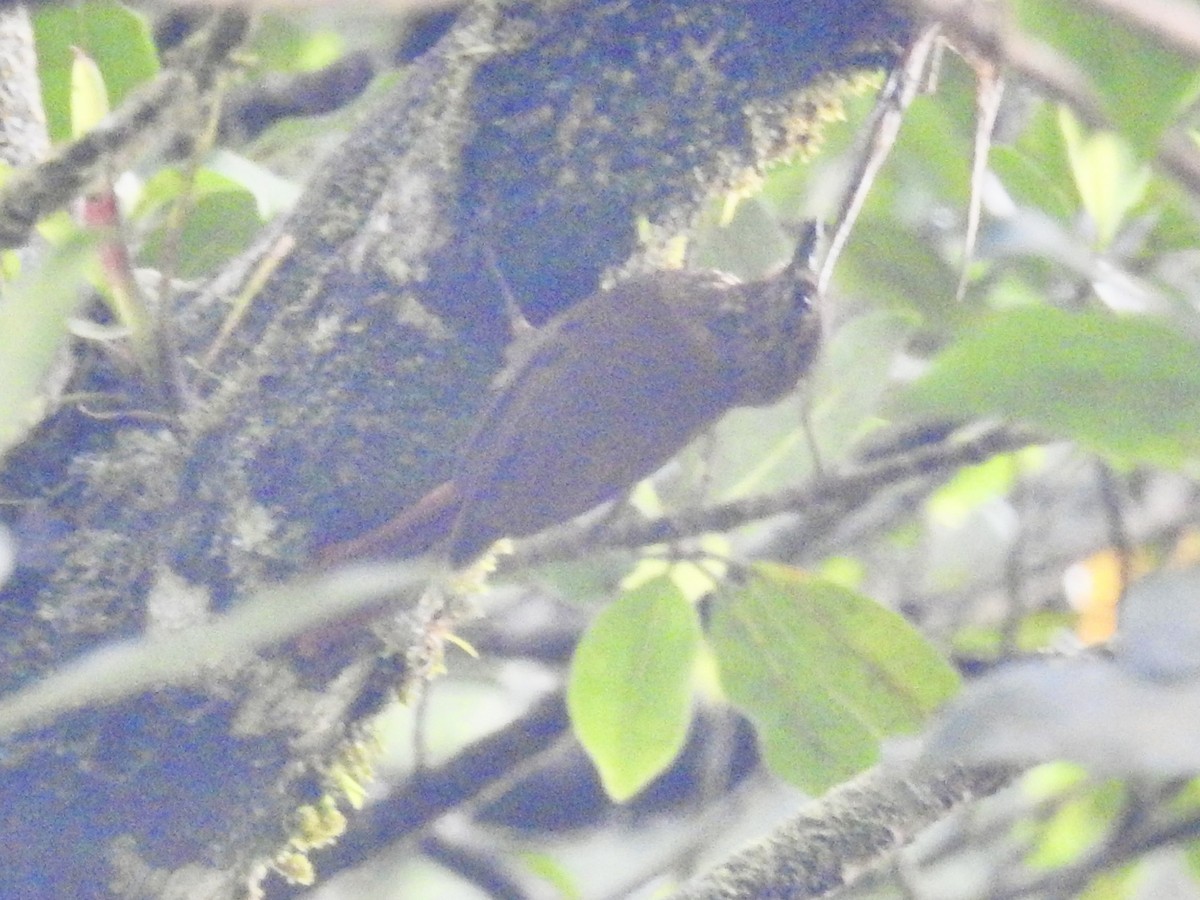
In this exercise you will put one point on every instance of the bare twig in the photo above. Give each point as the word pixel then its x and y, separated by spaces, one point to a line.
pixel 1174 24
pixel 903 84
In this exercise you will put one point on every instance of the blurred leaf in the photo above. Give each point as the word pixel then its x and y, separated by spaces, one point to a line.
pixel 1127 386
pixel 1052 780
pixel 1031 182
pixel 972 486
pixel 166 184
pixel 1177 228
pixel 756 450
pixel 117 38
pixel 1035 631
pixel 89 98
pixel 1121 883
pixel 233 196
pixel 899 269
pixel 693 578
pixel 226 172
pixel 586 581
pixel 1042 141
pixel 282 44
pixel 749 245
pixel 1186 804
pixel 1109 180
pixel 1143 86
pixel 1076 824
pixel 1022 281
pixel 10 265
pixel 844 570
pixel 549 869
pixel 272 193
pixel 219 225
pixel 629 690
pixel 933 147
pixel 786 181
pixel 824 673
pixel 1191 851
pixel 33 326
pixel 1026 182
pixel 843 405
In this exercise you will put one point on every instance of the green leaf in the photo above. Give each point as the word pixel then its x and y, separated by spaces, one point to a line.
pixel 749 246
pixel 1030 183
pixel 823 672
pixel 1034 632
pixel 1077 823
pixel 972 486
pixel 224 217
pixel 933 148
pixel 1036 169
pixel 549 869
pixel 33 319
pixel 629 691
pixel 272 193
pixel 753 450
pixel 281 44
pixel 114 36
pixel 1177 228
pixel 1187 803
pixel 843 407
pixel 219 225
pixel 1109 180
pixel 1126 386
pixel 1143 86
pixel 894 264
pixel 89 97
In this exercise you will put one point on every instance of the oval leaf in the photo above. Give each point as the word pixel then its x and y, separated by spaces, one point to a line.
pixel 824 673
pixel 629 691
pixel 33 328
pixel 89 97
pixel 116 37
pixel 1109 180
pixel 1127 386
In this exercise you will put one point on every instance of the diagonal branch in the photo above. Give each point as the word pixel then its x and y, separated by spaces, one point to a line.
pixel 835 497
pixel 156 113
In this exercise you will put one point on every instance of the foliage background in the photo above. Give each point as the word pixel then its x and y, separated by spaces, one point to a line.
pixel 1080 317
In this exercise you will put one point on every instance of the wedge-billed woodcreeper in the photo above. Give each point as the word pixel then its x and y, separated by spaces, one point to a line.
pixel 603 396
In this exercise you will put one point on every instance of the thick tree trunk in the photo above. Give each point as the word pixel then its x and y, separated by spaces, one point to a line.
pixel 533 136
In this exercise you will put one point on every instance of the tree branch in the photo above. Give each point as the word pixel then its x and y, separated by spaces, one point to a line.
pixel 845 834
pixel 155 114
pixel 348 374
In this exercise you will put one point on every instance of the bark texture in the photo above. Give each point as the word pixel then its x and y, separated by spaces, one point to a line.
pixel 534 134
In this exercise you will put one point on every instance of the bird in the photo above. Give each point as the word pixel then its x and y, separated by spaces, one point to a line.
pixel 603 396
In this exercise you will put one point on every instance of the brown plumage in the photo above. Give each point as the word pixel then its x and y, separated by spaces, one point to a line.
pixel 603 396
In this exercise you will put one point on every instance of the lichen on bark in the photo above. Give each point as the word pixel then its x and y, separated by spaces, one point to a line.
pixel 533 134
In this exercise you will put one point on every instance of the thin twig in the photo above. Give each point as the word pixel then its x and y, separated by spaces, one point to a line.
pixel 835 495
pixel 902 85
